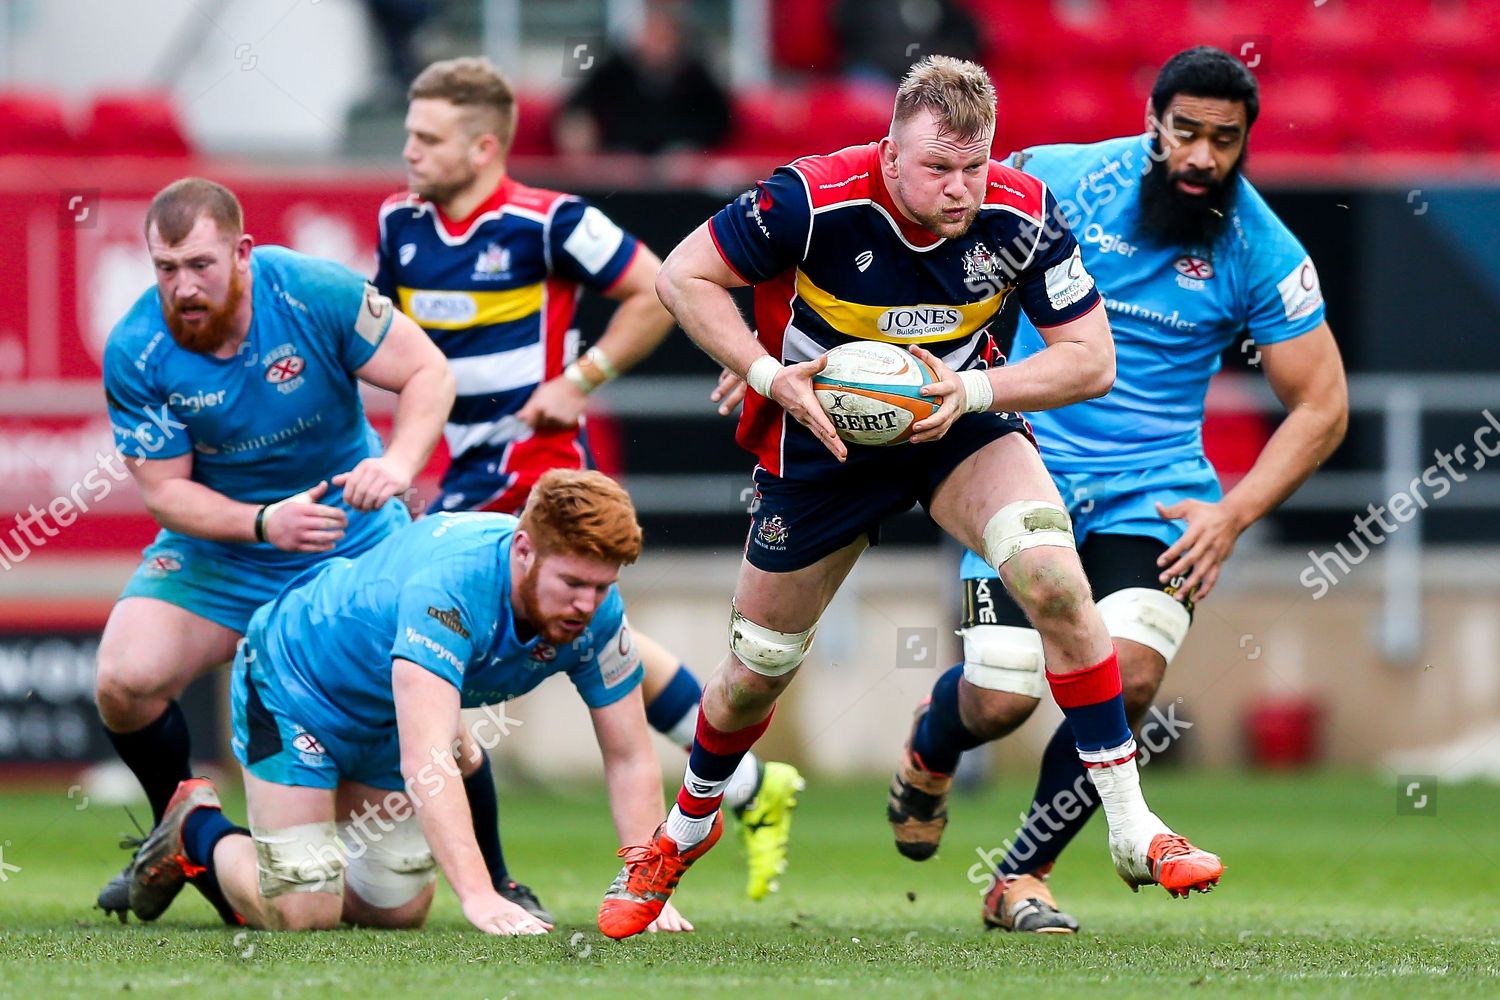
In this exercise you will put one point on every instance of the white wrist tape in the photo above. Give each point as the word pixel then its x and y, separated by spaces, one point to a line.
pixel 762 373
pixel 978 393
pixel 601 361
pixel 575 375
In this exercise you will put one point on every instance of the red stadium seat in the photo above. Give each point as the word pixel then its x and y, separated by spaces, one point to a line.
pixel 142 124
pixel 1484 129
pixel 533 137
pixel 1418 112
pixel 33 124
pixel 1070 107
pixel 802 36
pixel 770 121
pixel 1339 35
pixel 1306 113
pixel 848 114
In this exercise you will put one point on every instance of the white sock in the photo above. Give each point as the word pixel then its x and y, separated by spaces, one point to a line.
pixel 1119 787
pixel 688 831
pixel 685 728
pixel 744 783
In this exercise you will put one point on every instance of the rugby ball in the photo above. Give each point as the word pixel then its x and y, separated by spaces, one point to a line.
pixel 871 392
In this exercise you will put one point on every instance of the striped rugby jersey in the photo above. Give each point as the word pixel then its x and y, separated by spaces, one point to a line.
pixel 497 292
pixel 833 260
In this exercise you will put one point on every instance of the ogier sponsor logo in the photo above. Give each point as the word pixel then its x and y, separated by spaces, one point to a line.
pixel 197 401
pixel 913 322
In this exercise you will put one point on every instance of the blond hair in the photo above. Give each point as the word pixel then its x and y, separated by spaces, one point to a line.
pixel 957 92
pixel 472 84
pixel 584 513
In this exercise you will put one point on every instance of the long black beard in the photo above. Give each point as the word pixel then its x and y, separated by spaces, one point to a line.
pixel 1174 219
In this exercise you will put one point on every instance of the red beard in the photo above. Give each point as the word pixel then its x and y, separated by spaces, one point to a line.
pixel 550 629
pixel 217 327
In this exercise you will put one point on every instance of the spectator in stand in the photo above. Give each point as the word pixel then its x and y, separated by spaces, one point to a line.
pixel 396 23
pixel 654 96
pixel 880 39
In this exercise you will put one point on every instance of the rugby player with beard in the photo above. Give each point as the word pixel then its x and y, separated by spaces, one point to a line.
pixel 1191 261
pixel 232 387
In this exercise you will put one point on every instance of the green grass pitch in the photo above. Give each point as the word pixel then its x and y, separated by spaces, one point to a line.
pixel 1329 892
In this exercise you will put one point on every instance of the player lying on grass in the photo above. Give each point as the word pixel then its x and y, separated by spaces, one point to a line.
pixel 346 698
pixel 233 391
pixel 491 268
pixel 1192 260
pixel 918 239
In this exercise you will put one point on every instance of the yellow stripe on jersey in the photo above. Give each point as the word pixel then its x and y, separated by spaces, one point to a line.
pixel 449 310
pixel 919 323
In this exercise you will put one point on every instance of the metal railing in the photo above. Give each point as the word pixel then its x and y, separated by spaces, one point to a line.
pixel 1402 402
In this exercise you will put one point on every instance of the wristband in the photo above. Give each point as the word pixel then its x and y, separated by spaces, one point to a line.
pixel 762 373
pixel 575 374
pixel 263 516
pixel 978 392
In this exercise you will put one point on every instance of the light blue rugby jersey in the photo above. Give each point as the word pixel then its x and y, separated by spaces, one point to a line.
pixel 279 416
pixel 437 593
pixel 1173 310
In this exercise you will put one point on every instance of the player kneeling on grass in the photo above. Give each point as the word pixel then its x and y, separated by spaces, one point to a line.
pixel 346 699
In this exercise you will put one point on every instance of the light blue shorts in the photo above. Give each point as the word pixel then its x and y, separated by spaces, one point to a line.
pixel 225 583
pixel 272 744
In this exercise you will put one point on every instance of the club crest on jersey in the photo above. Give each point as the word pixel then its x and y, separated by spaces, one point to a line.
pixel 979 262
pixel 284 368
pixel 493 262
pixel 1194 267
pixel 773 532
pixel 544 652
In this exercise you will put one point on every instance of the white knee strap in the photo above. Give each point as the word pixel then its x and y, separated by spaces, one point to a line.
pixel 304 858
pixel 1005 658
pixel 388 868
pixel 1150 617
pixel 1025 524
pixel 765 650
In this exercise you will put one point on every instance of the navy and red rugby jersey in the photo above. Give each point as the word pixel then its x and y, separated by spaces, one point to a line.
pixel 832 260
pixel 497 293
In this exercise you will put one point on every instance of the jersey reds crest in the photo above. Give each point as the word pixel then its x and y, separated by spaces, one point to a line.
pixel 284 368
pixel 1194 267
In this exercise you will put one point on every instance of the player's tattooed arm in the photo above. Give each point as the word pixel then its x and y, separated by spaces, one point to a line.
pixel 409 364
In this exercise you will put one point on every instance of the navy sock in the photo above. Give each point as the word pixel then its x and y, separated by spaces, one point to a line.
pixel 1064 801
pixel 941 737
pixel 201 832
pixel 157 754
pixel 484 806
pixel 675 702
